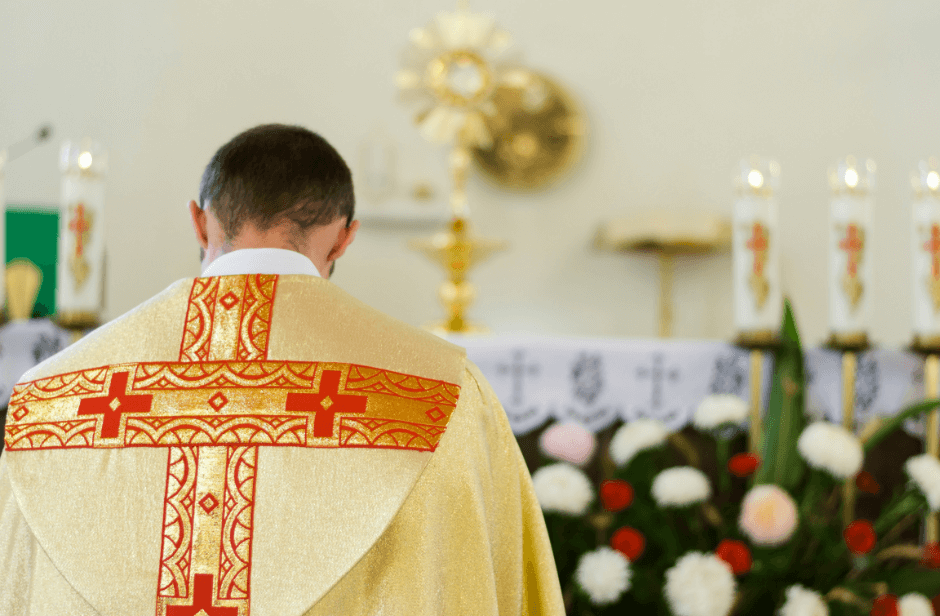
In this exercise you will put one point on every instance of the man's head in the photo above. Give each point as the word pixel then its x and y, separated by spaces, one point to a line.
pixel 276 186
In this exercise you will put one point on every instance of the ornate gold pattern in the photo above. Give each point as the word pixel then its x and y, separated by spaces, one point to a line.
pixel 179 511
pixel 537 133
pixel 43 412
pixel 854 246
pixel 80 223
pixel 759 244
pixel 440 78
pixel 456 250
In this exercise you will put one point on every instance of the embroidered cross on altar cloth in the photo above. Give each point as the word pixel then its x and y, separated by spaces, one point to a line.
pixel 212 410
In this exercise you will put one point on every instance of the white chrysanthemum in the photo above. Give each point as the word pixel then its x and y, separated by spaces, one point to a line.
pixel 925 471
pixel 914 604
pixel 680 486
pixel 718 410
pixel 700 585
pixel 831 448
pixel 803 602
pixel 604 574
pixel 634 437
pixel 562 487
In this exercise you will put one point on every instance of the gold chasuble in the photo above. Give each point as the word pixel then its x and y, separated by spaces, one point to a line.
pixel 265 445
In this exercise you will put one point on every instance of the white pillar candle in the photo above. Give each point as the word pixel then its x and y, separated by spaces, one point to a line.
pixel 80 267
pixel 850 289
pixel 925 246
pixel 758 301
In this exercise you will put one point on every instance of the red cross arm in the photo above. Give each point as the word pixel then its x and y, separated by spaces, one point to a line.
pixel 116 403
pixel 326 403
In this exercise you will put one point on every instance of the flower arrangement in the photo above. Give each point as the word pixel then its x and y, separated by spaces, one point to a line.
pixel 659 530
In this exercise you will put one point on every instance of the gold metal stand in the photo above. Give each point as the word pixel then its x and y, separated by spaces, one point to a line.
pixel 665 234
pixel 456 250
pixel 932 436
pixel 849 367
pixel 666 271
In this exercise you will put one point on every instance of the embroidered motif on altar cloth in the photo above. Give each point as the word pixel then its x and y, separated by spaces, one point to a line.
pixel 212 409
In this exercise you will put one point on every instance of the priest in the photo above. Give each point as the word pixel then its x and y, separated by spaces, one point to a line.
pixel 256 441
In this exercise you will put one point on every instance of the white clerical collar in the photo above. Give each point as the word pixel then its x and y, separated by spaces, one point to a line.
pixel 261 261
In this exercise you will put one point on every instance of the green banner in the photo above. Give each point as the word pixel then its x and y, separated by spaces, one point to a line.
pixel 32 232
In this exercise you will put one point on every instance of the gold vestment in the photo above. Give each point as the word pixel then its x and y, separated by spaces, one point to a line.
pixel 265 445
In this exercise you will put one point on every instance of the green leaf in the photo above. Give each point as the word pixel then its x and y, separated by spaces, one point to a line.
pixel 784 419
pixel 910 579
pixel 914 410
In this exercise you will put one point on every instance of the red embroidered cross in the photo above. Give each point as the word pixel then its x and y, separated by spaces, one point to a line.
pixel 933 247
pixel 326 403
pixel 116 403
pixel 202 600
pixel 853 244
pixel 758 245
pixel 80 225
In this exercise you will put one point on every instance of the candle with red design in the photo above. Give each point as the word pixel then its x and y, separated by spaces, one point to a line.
pixel 758 302
pixel 926 252
pixel 850 211
pixel 80 259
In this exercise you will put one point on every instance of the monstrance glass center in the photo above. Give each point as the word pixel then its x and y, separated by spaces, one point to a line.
pixel 460 78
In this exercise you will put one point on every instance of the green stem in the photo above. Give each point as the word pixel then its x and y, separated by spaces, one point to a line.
pixel 723 451
pixel 915 410
pixel 908 504
pixel 813 488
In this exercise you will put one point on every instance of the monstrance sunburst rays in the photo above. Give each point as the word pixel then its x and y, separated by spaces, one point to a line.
pixel 450 69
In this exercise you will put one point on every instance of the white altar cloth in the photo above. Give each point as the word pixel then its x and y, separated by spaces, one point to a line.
pixel 596 382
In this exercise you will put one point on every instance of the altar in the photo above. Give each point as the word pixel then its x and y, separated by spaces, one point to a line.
pixel 599 382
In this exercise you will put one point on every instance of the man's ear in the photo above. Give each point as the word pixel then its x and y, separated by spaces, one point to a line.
pixel 200 224
pixel 343 240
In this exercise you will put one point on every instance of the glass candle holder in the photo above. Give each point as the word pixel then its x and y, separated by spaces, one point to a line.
pixel 852 182
pixel 758 300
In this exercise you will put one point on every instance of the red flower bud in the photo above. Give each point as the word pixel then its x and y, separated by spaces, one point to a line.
pixel 616 495
pixel 931 556
pixel 628 541
pixel 885 605
pixel 743 464
pixel 860 537
pixel 736 554
pixel 865 482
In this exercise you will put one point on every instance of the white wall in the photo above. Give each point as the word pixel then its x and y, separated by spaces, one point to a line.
pixel 676 91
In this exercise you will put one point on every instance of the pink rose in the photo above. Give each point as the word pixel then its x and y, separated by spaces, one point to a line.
pixel 768 515
pixel 568 442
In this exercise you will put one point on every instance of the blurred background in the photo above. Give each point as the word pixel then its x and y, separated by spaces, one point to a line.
pixel 674 94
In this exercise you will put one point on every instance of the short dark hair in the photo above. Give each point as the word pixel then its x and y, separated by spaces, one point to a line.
pixel 276 173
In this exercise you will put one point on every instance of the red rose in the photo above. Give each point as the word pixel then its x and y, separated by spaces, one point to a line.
pixel 860 537
pixel 743 464
pixel 885 605
pixel 935 602
pixel 865 482
pixel 628 541
pixel 736 554
pixel 616 494
pixel 931 557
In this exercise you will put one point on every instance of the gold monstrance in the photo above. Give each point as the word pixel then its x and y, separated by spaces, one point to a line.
pixel 452 67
